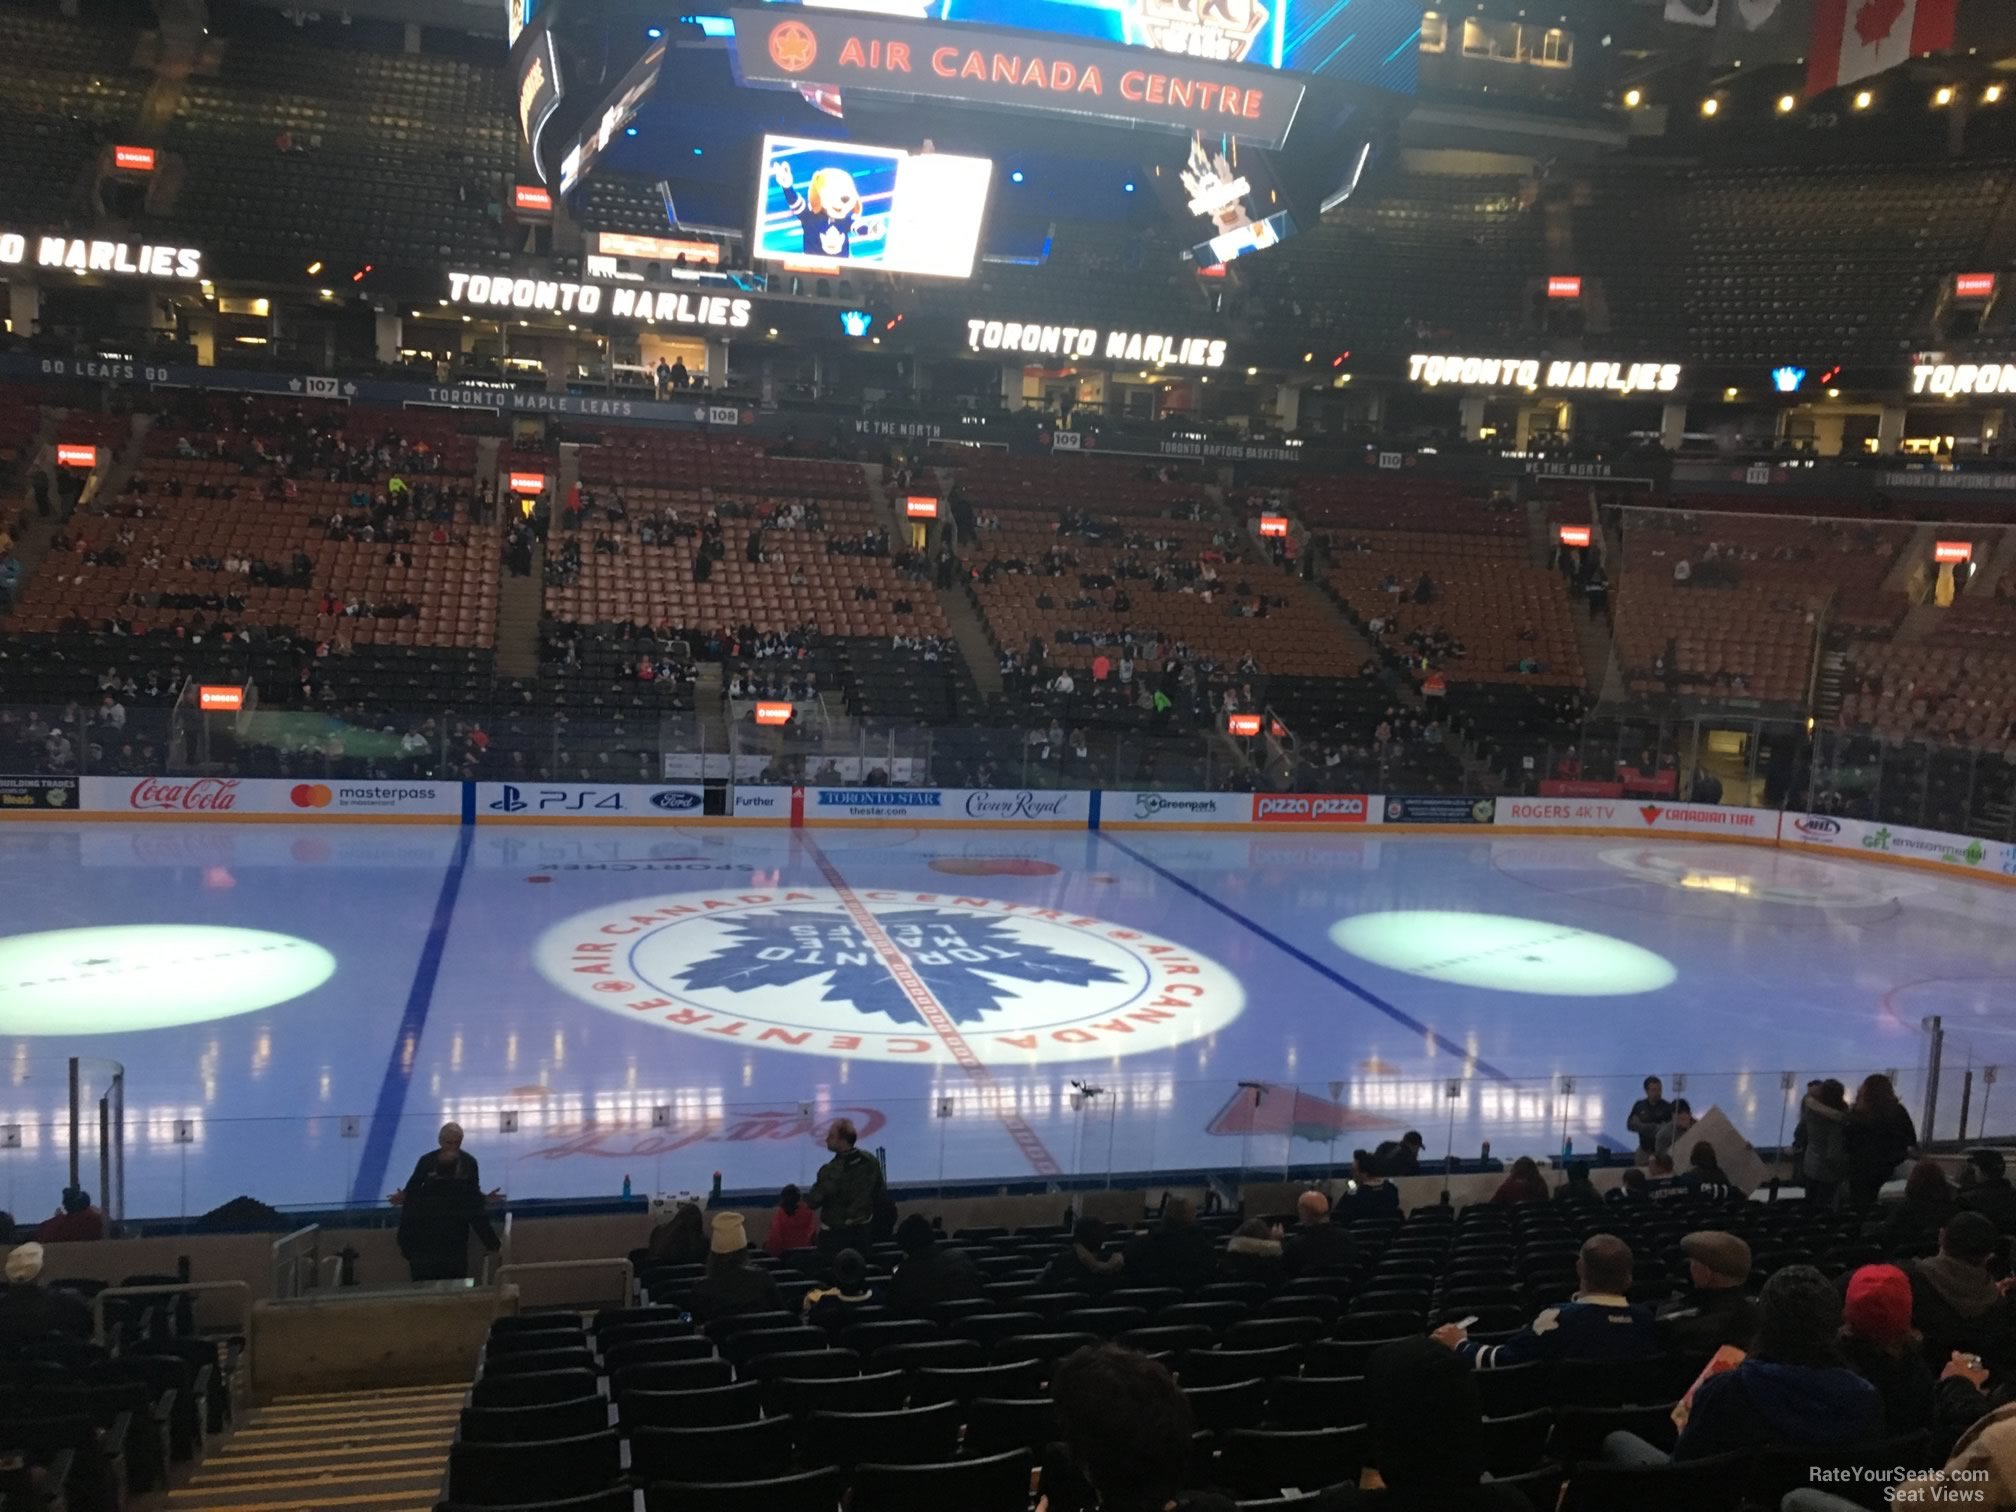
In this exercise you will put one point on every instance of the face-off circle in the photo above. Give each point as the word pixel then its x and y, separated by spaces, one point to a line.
pixel 890 974
pixel 119 978
pixel 1503 953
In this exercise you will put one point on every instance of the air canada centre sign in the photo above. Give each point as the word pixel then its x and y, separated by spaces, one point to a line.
pixel 801 46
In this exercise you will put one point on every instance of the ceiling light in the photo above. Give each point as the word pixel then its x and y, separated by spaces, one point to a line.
pixel 1863 99
pixel 1633 98
pixel 1787 104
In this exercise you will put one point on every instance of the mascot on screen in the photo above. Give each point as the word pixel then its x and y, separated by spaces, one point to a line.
pixel 829 210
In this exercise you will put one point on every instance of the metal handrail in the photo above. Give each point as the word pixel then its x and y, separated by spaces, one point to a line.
pixel 243 1320
pixel 517 1268
pixel 287 1260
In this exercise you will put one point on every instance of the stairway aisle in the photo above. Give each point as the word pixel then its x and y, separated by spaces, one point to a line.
pixel 385 1451
pixel 520 601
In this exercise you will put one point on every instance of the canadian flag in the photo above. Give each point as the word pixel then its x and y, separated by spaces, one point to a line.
pixel 1853 39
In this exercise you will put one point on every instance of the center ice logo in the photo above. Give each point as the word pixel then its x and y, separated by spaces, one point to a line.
pixel 891 975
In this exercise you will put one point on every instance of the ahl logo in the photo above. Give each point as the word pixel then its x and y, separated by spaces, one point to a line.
pixel 1816 825
pixel 676 801
pixel 891 975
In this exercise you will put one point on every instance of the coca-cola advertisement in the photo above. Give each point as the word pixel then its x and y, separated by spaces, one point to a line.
pixel 188 795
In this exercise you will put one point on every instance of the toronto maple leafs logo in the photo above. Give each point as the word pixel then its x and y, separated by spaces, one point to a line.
pixel 886 974
pixel 958 956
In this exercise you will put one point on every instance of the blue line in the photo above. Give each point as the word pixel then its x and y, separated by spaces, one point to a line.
pixel 1413 37
pixel 368 1188
pixel 1329 973
pixel 1092 814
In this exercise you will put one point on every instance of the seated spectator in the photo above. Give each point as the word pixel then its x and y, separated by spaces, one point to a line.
pixel 1633 1188
pixel 792 1226
pixel 1126 1432
pixel 1084 1266
pixel 30 1311
pixel 1955 1303
pixel 1985 1189
pixel 1598 1323
pixel 1704 1176
pixel 930 1272
pixel 833 1307
pixel 1368 1194
pixel 1175 1252
pixel 680 1239
pixel 1576 1185
pixel 1912 1226
pixel 1400 1157
pixel 1318 1247
pixel 732 1285
pixel 75 1222
pixel 1879 1345
pixel 1523 1183
pixel 1427 1437
pixel 1715 1310
pixel 1793 1388
pixel 1661 1185
pixel 1253 1254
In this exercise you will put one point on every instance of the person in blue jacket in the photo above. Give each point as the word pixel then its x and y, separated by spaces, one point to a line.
pixel 1598 1323
pixel 1792 1390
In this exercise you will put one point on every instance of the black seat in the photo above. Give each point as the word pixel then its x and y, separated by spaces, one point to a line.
pixel 1515 1389
pixel 502 1475
pixel 620 1335
pixel 917 1436
pixel 866 1338
pixel 1317 1401
pixel 518 1341
pixel 803 1364
pixel 794 1396
pixel 738 1451
pixel 1345 1357
pixel 752 1344
pixel 1578 1432
pixel 1272 1333
pixel 1702 1485
pixel 682 1375
pixel 1216 1316
pixel 1541 1487
pixel 937 1354
pixel 1776 1471
pixel 808 1491
pixel 1513 1445
pixel 1048 1347
pixel 996 1424
pixel 996 1483
pixel 1107 1322
pixel 533 1323
pixel 1265 1461
pixel 989 1329
pixel 702 1407
pixel 534 1361
pixel 615 1319
pixel 1170 1339
pixel 1219 1409
pixel 615 1499
pixel 1018 1379
pixel 657 1351
pixel 1216 1367
pixel 546 1420
pixel 529 1390
pixel 728 1327
pixel 1612 1383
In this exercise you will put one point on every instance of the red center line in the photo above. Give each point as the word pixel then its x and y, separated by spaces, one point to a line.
pixel 1027 1140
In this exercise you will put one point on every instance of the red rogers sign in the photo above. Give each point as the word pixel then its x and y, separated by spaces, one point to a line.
pixel 1308 808
pixel 198 795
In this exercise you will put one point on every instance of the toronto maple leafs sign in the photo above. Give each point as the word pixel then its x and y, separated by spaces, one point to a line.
pixel 890 975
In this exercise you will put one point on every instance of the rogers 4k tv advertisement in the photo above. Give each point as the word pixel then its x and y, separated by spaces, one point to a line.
pixel 839 205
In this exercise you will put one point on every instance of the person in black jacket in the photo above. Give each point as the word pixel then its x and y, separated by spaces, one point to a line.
pixel 1715 1311
pixel 930 1272
pixel 1880 1346
pixel 439 1207
pixel 732 1285
pixel 1984 1189
pixel 1085 1266
pixel 1881 1137
pixel 1176 1252
pixel 1368 1194
pixel 1126 1430
pixel 30 1311
pixel 1318 1247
